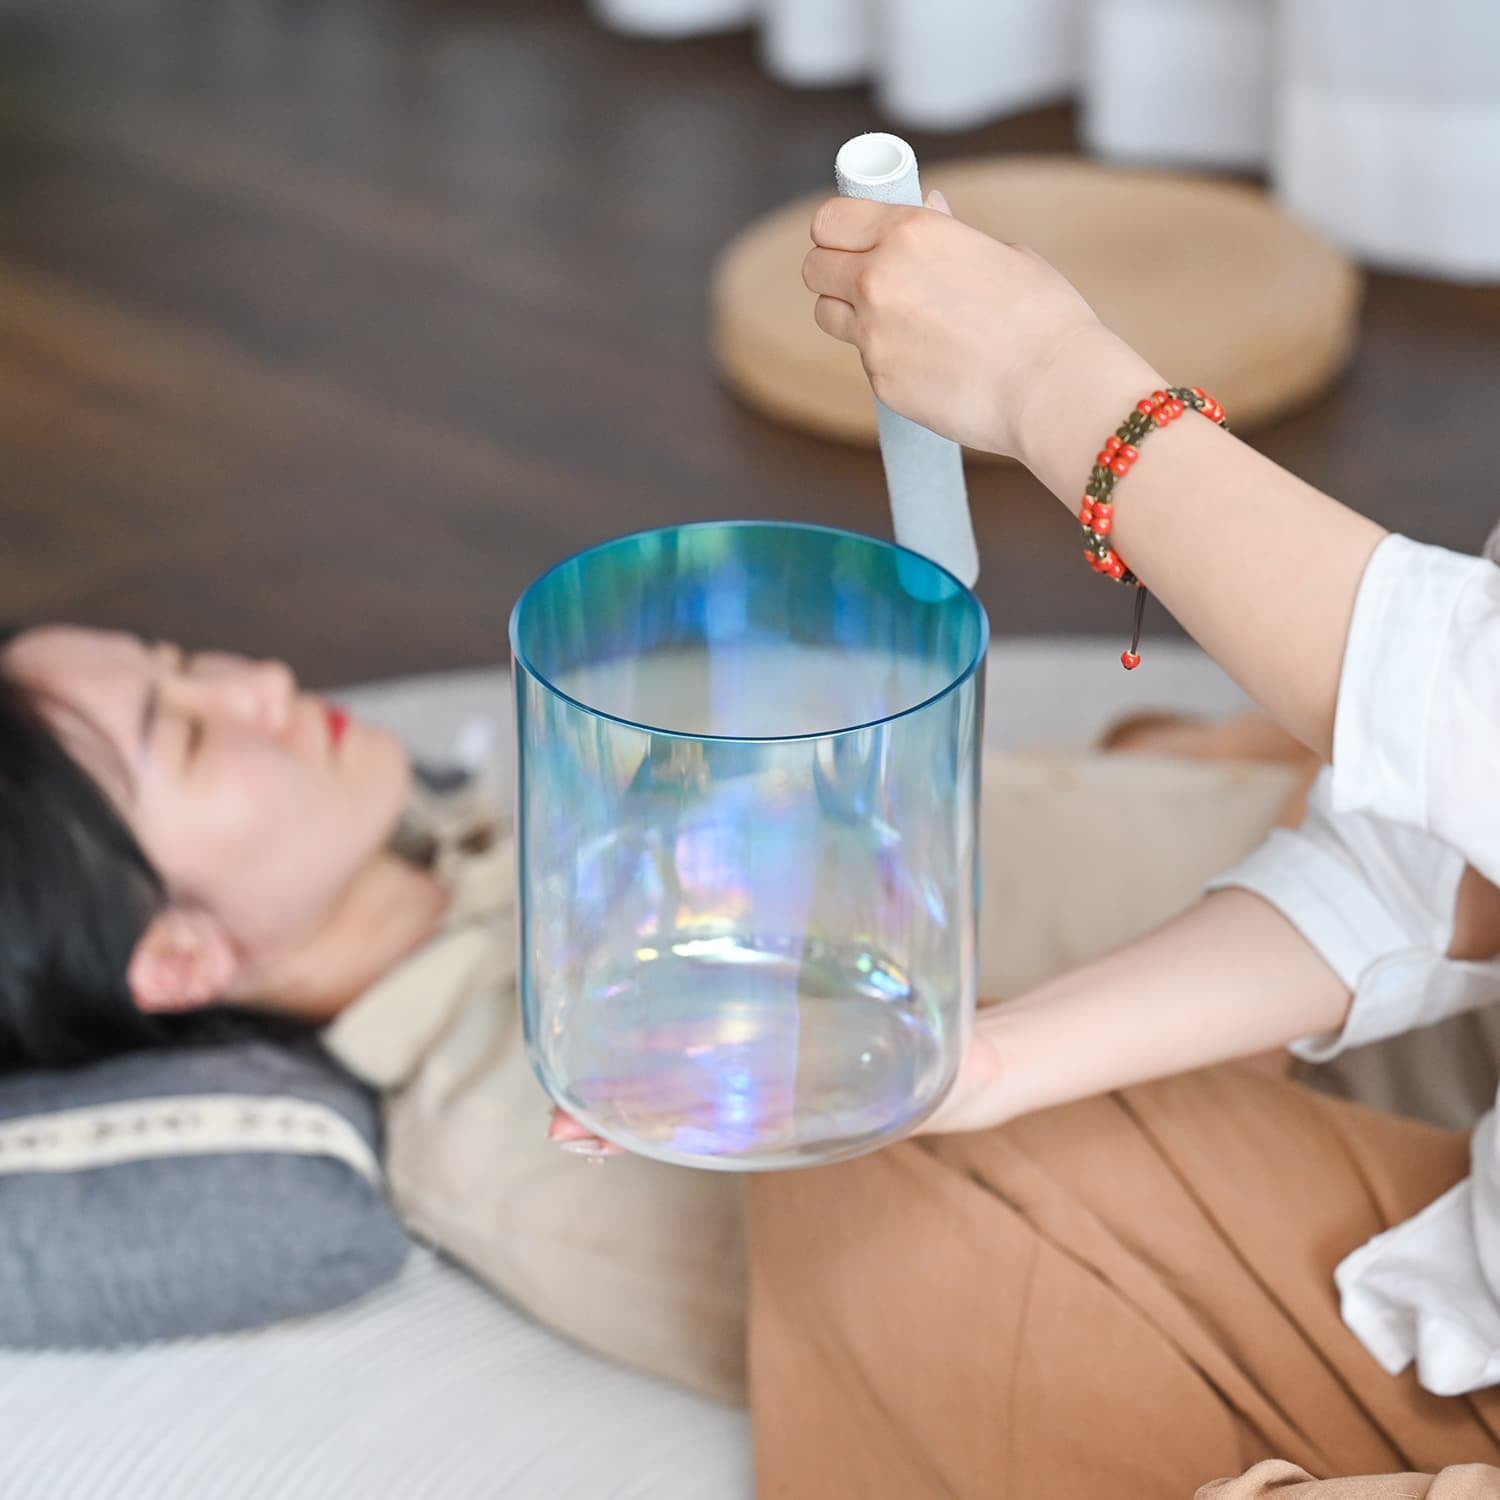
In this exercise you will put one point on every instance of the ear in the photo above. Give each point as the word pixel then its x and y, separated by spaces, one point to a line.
pixel 184 960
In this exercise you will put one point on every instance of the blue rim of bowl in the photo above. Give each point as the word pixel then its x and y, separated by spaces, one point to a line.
pixel 959 679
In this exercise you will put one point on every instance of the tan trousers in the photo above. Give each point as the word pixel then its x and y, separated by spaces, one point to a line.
pixel 1127 1297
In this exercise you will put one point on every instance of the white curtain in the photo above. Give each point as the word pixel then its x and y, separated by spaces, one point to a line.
pixel 1376 120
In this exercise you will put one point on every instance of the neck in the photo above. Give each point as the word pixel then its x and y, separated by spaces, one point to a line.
pixel 389 911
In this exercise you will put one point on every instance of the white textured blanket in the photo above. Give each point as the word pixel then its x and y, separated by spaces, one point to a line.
pixel 430 1389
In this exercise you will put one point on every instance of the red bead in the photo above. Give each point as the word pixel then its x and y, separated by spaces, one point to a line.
pixel 1086 516
pixel 1158 398
pixel 1129 454
pixel 1091 559
pixel 1130 660
pixel 1119 467
pixel 1112 444
pixel 1178 407
pixel 1145 408
pixel 1103 508
pixel 1198 392
pixel 1160 418
pixel 1103 525
pixel 1116 569
pixel 1102 458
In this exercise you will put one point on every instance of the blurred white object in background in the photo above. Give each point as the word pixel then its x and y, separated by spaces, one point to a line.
pixel 668 18
pixel 817 43
pixel 950 64
pixel 1379 122
pixel 1387 130
pixel 1178 81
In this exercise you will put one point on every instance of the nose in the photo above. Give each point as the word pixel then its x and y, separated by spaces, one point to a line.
pixel 257 694
pixel 275 689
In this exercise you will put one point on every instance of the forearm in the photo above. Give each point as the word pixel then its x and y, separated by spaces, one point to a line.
pixel 1229 978
pixel 1260 568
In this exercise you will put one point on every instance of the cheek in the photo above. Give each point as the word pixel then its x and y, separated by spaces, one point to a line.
pixel 268 843
pixel 235 826
pixel 208 846
pixel 257 846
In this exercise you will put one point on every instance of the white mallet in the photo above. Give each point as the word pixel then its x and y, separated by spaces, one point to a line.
pixel 923 472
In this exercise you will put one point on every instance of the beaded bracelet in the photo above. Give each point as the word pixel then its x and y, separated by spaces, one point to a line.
pixel 1112 464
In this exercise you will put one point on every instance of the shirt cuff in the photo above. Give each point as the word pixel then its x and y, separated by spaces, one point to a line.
pixel 1346 923
pixel 1322 897
pixel 1392 662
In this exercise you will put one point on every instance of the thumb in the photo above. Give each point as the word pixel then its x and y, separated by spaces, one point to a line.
pixel 935 200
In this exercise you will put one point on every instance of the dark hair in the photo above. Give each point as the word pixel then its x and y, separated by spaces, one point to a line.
pixel 76 894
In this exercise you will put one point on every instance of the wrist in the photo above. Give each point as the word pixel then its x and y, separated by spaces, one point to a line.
pixel 981 1096
pixel 1090 382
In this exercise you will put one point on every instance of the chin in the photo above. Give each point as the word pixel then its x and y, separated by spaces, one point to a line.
pixel 395 765
pixel 384 774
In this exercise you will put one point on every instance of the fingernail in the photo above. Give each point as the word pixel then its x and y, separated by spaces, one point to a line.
pixel 936 200
pixel 555 1128
pixel 594 1150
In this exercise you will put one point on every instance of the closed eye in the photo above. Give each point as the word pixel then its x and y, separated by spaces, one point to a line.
pixel 193 741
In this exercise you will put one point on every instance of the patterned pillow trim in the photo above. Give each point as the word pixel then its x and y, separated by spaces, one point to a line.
pixel 104 1135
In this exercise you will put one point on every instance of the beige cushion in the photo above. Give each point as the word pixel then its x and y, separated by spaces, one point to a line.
pixel 1083 852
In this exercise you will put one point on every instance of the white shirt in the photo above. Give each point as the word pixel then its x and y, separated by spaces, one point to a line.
pixel 1371 879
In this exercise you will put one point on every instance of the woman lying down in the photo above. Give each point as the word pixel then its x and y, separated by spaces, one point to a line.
pixel 229 842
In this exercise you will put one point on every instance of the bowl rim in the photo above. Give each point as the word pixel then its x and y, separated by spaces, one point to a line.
pixel 521 662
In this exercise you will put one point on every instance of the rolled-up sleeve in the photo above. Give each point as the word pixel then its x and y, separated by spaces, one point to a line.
pixel 1417 731
pixel 1371 877
pixel 1376 901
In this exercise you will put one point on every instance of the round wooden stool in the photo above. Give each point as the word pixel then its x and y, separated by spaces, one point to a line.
pixel 1207 279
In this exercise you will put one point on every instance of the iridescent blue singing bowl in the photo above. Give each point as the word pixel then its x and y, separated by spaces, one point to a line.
pixel 747 810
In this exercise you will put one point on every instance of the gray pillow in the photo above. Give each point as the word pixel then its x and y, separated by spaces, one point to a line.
pixel 172 1193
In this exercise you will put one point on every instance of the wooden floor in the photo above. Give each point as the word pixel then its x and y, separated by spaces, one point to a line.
pixel 325 326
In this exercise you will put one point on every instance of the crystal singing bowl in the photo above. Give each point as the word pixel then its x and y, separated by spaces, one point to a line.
pixel 747 810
